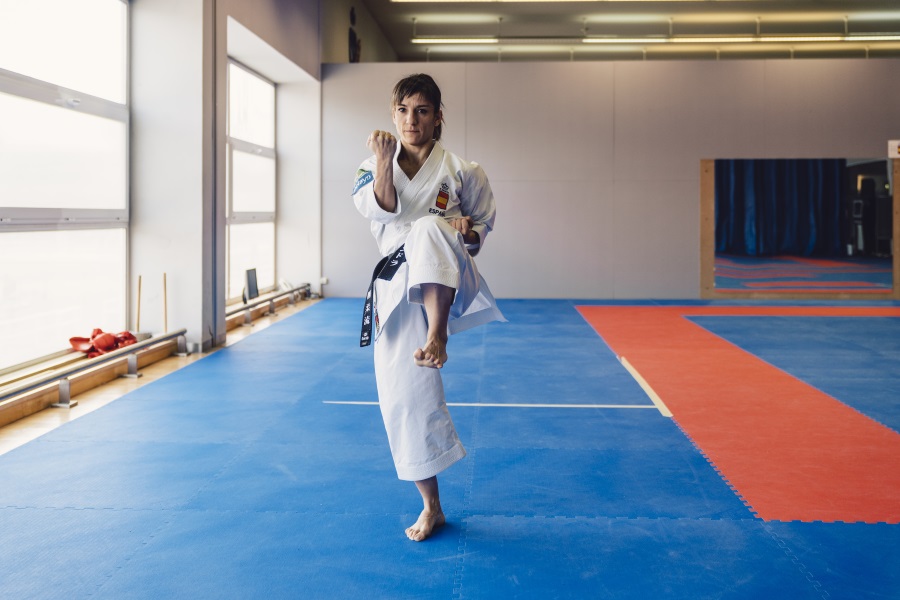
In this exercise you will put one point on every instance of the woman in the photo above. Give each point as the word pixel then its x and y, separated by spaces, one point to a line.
pixel 430 212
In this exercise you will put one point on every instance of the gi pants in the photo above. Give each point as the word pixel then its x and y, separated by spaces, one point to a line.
pixel 421 434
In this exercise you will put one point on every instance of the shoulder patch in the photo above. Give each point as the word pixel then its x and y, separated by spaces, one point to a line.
pixel 363 177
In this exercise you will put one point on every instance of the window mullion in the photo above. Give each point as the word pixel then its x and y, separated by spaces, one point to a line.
pixel 37 219
pixel 251 148
pixel 251 217
pixel 48 93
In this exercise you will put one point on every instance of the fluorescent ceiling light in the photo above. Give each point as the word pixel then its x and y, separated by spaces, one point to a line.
pixel 543 1
pixel 872 38
pixel 739 39
pixel 612 40
pixel 745 39
pixel 455 40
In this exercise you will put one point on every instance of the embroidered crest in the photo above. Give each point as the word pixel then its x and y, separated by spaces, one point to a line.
pixel 442 197
pixel 363 177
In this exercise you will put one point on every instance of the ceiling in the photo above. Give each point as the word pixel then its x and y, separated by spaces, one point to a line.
pixel 639 29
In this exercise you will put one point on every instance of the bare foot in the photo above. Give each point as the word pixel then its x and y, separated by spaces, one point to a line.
pixel 427 523
pixel 432 355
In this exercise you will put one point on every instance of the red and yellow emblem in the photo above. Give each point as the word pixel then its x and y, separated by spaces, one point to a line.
pixel 441 200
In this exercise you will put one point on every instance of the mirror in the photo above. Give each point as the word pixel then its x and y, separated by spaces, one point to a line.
pixel 837 237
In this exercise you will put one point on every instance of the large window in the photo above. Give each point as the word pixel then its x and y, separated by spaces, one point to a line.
pixel 251 179
pixel 63 173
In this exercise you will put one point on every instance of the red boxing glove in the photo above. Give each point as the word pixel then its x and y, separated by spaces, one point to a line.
pixel 101 343
pixel 125 339
pixel 104 342
pixel 81 344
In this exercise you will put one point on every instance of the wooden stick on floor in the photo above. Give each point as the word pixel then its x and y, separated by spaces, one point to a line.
pixel 165 307
pixel 137 327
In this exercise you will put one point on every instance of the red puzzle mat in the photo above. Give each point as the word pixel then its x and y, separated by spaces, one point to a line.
pixel 789 450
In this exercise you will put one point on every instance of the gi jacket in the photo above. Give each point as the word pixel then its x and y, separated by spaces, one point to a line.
pixel 447 187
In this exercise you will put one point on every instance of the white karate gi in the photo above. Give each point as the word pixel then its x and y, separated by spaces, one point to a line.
pixel 420 431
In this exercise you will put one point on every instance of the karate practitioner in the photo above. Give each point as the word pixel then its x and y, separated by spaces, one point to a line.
pixel 430 212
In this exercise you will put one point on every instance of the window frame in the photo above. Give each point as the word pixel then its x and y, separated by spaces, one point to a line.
pixel 28 88
pixel 24 220
pixel 233 144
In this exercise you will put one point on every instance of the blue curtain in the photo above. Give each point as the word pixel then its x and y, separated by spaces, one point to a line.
pixel 767 207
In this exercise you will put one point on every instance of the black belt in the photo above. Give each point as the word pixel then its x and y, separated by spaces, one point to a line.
pixel 385 269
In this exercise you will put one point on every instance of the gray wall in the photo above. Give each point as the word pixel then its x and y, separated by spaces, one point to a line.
pixel 179 53
pixel 335 43
pixel 170 56
pixel 595 166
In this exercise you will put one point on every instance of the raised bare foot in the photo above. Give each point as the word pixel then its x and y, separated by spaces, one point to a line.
pixel 426 523
pixel 433 354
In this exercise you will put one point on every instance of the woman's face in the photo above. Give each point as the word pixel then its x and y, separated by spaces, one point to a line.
pixel 415 119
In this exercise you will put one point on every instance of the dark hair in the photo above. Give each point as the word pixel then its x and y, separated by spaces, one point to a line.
pixel 423 84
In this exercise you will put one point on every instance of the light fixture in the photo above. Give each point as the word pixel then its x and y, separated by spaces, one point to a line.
pixel 542 1
pixel 744 39
pixel 630 41
pixel 442 41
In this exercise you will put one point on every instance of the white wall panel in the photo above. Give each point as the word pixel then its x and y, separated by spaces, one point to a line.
pixel 547 121
pixel 656 239
pixel 821 108
pixel 604 158
pixel 552 239
pixel 670 114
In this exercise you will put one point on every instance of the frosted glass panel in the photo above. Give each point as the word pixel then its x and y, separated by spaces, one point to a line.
pixel 251 247
pixel 54 157
pixel 253 182
pixel 78 44
pixel 251 109
pixel 58 284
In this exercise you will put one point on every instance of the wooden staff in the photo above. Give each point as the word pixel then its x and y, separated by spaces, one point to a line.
pixel 165 307
pixel 138 325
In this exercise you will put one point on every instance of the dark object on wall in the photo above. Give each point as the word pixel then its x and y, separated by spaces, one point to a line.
pixel 884 225
pixel 251 288
pixel 355 42
pixel 870 207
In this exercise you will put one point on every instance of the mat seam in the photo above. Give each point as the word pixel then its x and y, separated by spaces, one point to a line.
pixel 805 572
pixel 123 562
pixel 465 515
pixel 167 522
pixel 715 468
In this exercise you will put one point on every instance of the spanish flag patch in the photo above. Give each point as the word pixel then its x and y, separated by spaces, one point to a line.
pixel 441 200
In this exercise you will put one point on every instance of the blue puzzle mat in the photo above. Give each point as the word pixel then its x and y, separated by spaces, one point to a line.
pixel 247 475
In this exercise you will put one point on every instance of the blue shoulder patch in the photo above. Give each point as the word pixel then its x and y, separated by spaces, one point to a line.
pixel 363 177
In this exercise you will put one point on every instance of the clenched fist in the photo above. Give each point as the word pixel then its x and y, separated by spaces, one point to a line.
pixel 464 226
pixel 382 144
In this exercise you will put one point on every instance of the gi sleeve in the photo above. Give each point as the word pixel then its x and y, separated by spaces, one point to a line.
pixel 364 195
pixel 477 201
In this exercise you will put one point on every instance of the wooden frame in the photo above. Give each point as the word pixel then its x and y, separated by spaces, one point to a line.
pixel 708 248
pixel 45 396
